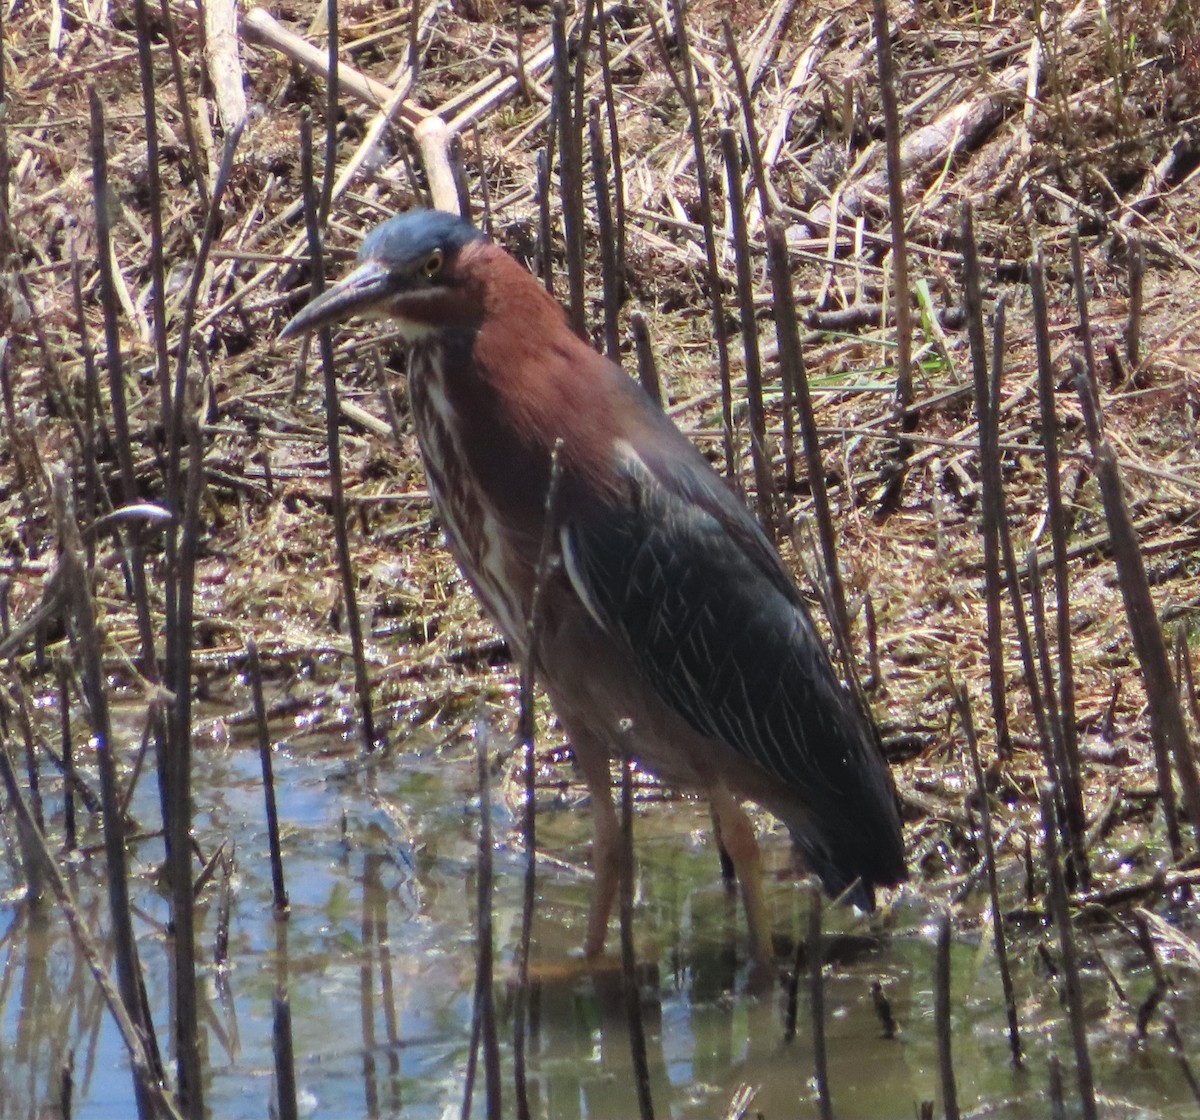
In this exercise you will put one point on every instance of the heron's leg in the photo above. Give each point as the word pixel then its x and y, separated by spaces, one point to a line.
pixel 606 847
pixel 737 836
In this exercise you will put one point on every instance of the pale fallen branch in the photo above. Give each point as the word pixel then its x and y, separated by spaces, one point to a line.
pixel 224 62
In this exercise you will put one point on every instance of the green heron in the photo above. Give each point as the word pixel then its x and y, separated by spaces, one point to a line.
pixel 667 626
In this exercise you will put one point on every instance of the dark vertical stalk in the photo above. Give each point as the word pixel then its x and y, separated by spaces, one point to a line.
pixel 614 140
pixel 158 285
pixel 527 732
pixel 816 995
pixel 1168 730
pixel 414 50
pixel 1057 516
pixel 604 228
pixel 747 103
pixel 254 671
pixel 1074 819
pixel 891 126
pixel 5 233
pixel 1133 324
pixel 791 364
pixel 570 170
pixel 484 949
pixel 116 374
pixel 646 365
pixel 685 84
pixel 629 984
pixel 1061 910
pixel 485 191
pixel 87 636
pixel 942 1018
pixel 788 370
pixel 331 114
pixel 68 755
pixel 337 495
pixel 184 103
pixel 281 1035
pixel 545 233
pixel 990 513
pixel 763 480
pixel 1058 1104
pixel 93 489
pixel 184 485
pixel 366 985
pixel 963 704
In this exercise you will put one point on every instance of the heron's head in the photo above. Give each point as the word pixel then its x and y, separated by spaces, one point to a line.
pixel 408 272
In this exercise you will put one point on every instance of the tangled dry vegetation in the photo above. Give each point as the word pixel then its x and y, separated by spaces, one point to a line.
pixel 1088 117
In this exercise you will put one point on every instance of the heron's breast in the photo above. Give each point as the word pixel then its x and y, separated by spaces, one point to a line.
pixel 474 529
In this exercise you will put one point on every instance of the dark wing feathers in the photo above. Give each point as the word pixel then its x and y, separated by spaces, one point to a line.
pixel 681 574
pixel 714 623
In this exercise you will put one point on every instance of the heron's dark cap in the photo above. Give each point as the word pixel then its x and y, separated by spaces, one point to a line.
pixel 415 234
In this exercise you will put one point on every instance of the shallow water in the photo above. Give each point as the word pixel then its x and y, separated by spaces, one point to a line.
pixel 379 957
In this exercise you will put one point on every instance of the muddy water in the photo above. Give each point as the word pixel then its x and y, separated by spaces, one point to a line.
pixel 379 960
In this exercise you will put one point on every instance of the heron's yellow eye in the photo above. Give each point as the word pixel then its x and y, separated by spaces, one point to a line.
pixel 433 263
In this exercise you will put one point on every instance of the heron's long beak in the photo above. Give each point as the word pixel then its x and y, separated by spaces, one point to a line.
pixel 365 290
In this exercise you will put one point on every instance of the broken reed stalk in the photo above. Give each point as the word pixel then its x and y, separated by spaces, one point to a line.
pixel 1168 728
pixel 647 367
pixel 87 641
pixel 337 494
pixel 570 170
pixel 760 457
pixel 793 372
pixel 604 228
pixel 548 559
pixel 816 1001
pixel 629 984
pixel 989 512
pixel 254 671
pixel 942 1018
pixel 1058 520
pixel 963 704
pixel 485 1006
pixel 685 85
pixel 1060 909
